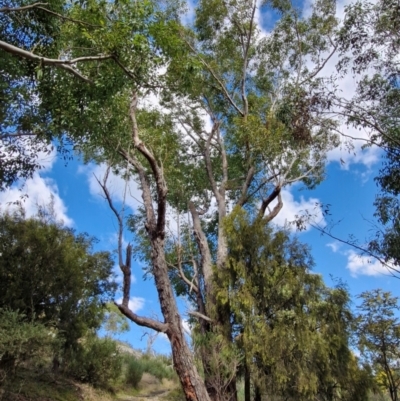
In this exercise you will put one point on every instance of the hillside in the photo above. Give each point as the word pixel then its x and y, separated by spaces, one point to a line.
pixel 33 383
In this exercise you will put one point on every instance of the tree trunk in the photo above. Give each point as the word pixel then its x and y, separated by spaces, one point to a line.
pixel 247 392
pixel 192 384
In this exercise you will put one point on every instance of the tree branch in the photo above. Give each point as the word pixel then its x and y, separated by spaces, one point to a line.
pixel 220 83
pixel 202 244
pixel 146 189
pixel 63 64
pixel 142 321
pixel 246 185
pixel 245 61
pixel 275 210
pixel 107 195
pixel 390 268
pixel 321 67
pixel 266 202
pixel 156 169
pixel 24 8
pixel 200 316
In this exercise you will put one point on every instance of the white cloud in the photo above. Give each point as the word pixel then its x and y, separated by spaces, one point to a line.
pixel 37 191
pixel 364 265
pixel 335 245
pixel 292 208
pixel 186 327
pixel 135 303
pixel 355 155
pixel 116 185
pixel 188 17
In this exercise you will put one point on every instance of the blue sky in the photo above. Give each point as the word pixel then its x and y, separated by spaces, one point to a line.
pixel 349 188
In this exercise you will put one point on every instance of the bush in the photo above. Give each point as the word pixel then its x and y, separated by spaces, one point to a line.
pixel 96 361
pixel 157 367
pixel 22 341
pixel 134 372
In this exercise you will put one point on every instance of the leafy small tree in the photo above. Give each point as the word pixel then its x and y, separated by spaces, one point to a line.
pixel 114 322
pixel 52 275
pixel 96 361
pixel 378 331
pixel 22 341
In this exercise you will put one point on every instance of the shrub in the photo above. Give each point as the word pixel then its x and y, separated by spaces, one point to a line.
pixel 22 341
pixel 96 361
pixel 157 367
pixel 134 372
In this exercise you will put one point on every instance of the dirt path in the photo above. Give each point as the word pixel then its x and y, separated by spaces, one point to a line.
pixel 150 389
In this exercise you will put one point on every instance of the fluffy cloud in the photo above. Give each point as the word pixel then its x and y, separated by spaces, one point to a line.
pixel 116 185
pixel 292 208
pixel 37 191
pixel 186 326
pixel 135 303
pixel 364 265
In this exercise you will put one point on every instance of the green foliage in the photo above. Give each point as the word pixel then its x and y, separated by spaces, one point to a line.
pixel 158 367
pixel 51 275
pixel 134 371
pixel 378 332
pixel 23 341
pixel 221 360
pixel 96 361
pixel 293 331
pixel 114 322
pixel 370 35
pixel 24 131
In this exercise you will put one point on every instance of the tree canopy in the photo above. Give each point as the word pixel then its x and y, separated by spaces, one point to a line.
pixel 239 115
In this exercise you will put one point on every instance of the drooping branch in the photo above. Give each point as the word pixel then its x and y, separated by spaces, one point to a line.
pixel 40 6
pixel 103 185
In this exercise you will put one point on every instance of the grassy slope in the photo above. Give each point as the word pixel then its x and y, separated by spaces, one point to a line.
pixel 29 385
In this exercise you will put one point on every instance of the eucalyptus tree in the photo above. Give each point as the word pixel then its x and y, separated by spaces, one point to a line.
pixel 23 132
pixel 241 116
pixel 378 331
pixel 292 330
pixel 369 39
pixel 250 107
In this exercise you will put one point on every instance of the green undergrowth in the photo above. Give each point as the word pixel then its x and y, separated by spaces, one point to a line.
pixel 28 385
pixel 138 376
